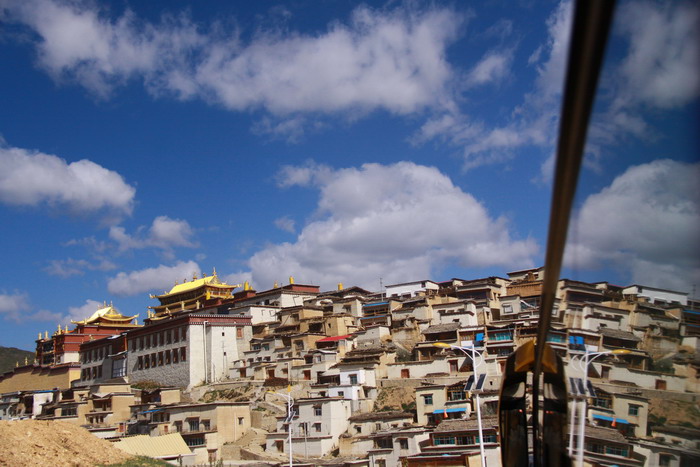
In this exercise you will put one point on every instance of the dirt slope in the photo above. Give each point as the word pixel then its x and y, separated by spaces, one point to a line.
pixel 52 444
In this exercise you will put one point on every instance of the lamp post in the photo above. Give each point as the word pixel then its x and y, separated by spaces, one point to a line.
pixel 290 416
pixel 473 356
pixel 581 363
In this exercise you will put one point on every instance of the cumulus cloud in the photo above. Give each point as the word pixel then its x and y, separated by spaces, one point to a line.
pixel 76 267
pixel 380 59
pixel 151 279
pixel 661 67
pixel 164 233
pixel 13 306
pixel 17 307
pixel 646 224
pixel 30 178
pixel 397 222
pixel 533 122
pixel 285 223
pixel 658 71
pixel 491 69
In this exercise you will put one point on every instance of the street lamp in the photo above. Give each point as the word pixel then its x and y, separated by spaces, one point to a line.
pixel 290 416
pixel 581 363
pixel 476 364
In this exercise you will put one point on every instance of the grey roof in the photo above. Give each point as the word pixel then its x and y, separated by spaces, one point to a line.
pixel 442 328
pixel 678 430
pixel 607 434
pixel 374 416
pixel 617 334
pixel 465 425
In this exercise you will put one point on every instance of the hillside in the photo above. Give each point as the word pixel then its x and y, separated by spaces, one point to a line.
pixel 48 443
pixel 9 356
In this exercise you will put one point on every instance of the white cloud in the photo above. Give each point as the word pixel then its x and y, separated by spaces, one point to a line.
pixel 661 68
pixel 392 60
pixel 29 178
pixel 13 306
pixel 16 307
pixel 76 267
pixel 164 233
pixel 285 223
pixel 397 222
pixel 646 224
pixel 533 122
pixel 158 278
pixel 491 69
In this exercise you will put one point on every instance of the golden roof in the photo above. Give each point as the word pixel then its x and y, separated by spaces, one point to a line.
pixel 107 312
pixel 195 283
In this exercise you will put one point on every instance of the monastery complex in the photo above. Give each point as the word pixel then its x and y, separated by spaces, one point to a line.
pixel 310 374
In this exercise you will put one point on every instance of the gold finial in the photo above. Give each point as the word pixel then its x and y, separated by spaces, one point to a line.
pixel 194 276
pixel 66 330
pixel 39 336
pixel 340 286
pixel 16 364
pixel 291 279
pixel 46 334
pixel 275 285
pixel 59 329
pixel 26 362
pixel 214 272
pixel 246 285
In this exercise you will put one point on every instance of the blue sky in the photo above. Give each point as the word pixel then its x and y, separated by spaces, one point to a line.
pixel 332 141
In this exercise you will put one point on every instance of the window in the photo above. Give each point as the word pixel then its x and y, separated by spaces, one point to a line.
pixel 616 450
pixel 440 440
pixel 507 309
pixel 405 373
pixel 167 336
pixel 146 361
pixel 160 358
pixel 358 429
pixel 175 356
pixel 239 332
pixel 403 443
pixel 317 427
pixel 664 460
pixel 633 409
pixel 206 426
pixel 167 357
pixel 153 360
pixel 176 335
pixel 453 366
pixel 466 440
pixel 194 424
pixel 428 399
pixel 353 379
pixel 184 333
pixel 661 384
pixel 194 441
pixel 241 420
pixel 183 354
pixel 318 410
pixel 341 393
pixel 383 443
